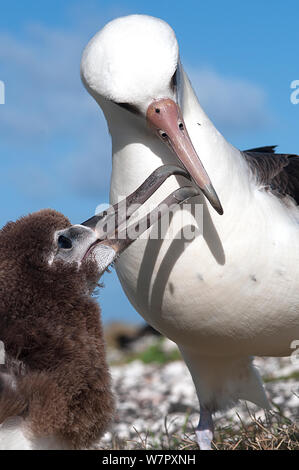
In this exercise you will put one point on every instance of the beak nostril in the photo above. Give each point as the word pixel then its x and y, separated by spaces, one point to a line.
pixel 157 110
pixel 64 242
pixel 181 126
pixel 163 134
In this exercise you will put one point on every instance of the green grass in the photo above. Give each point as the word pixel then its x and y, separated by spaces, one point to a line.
pixel 293 376
pixel 155 354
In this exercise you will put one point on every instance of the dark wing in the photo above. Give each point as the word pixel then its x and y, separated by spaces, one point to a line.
pixel 277 172
pixel 267 149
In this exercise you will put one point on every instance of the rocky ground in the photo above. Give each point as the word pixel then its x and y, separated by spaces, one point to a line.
pixel 157 405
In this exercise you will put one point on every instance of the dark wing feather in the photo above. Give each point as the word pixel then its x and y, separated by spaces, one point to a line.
pixel 276 172
pixel 267 149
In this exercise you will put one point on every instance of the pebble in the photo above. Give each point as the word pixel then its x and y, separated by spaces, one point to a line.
pixel 154 402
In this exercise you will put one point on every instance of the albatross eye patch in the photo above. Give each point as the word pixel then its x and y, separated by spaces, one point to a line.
pixel 64 242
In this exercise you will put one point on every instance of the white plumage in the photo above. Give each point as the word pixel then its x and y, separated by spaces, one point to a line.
pixel 233 291
pixel 107 66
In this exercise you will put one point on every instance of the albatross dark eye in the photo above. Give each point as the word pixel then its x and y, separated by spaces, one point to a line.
pixel 64 242
pixel 129 107
pixel 173 82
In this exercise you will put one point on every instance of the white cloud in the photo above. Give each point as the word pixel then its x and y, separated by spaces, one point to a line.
pixel 43 88
pixel 234 104
pixel 49 112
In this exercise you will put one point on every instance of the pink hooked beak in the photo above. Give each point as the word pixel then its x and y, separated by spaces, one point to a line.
pixel 165 117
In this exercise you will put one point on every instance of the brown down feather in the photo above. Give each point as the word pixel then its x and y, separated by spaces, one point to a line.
pixel 52 332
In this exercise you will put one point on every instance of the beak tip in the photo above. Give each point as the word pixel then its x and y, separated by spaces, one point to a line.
pixel 218 208
pixel 213 199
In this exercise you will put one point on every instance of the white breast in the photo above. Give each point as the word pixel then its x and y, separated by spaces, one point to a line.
pixel 236 287
pixel 241 293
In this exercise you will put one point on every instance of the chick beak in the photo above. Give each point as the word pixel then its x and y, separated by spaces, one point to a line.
pixel 111 225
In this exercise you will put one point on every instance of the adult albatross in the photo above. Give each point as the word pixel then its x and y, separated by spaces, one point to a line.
pixel 232 291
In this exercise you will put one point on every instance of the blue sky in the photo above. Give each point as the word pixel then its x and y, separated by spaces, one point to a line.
pixel 54 146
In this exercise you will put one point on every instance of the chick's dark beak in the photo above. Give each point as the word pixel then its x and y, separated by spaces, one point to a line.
pixel 111 225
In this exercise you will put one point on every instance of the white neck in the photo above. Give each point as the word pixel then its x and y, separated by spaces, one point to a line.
pixel 137 151
pixel 223 161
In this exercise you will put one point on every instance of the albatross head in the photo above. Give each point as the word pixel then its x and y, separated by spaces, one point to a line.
pixel 134 62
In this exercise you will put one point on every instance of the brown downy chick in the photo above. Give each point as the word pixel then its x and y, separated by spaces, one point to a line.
pixel 55 379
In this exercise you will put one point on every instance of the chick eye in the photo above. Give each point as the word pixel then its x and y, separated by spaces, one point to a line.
pixel 64 242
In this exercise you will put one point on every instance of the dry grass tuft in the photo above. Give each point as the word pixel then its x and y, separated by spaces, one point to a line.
pixel 275 433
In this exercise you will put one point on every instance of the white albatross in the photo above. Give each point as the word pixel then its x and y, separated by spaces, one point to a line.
pixel 232 292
